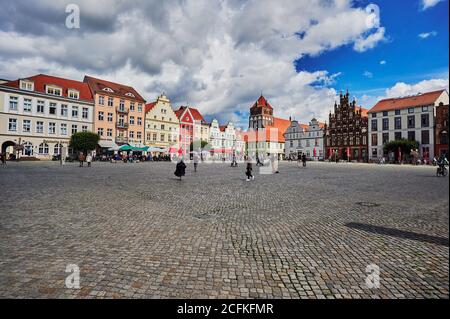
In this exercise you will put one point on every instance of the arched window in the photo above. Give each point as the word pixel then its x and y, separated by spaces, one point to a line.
pixel 27 149
pixel 444 137
pixel 43 149
pixel 57 149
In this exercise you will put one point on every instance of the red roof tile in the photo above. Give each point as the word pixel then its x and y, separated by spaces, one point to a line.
pixel 149 107
pixel 273 133
pixel 180 112
pixel 262 102
pixel 407 102
pixel 120 90
pixel 195 113
pixel 42 80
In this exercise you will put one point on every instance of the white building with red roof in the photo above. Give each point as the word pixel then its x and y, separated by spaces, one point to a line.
pixel 39 114
pixel 410 117
pixel 161 125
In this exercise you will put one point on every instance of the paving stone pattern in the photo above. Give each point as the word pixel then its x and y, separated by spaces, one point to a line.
pixel 135 231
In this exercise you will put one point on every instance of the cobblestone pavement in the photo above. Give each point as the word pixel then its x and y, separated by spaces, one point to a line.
pixel 135 231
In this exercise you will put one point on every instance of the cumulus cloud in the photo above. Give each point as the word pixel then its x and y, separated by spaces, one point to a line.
pixel 425 35
pixel 403 89
pixel 216 55
pixel 429 3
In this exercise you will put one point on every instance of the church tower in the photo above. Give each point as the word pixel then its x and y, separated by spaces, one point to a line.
pixel 261 114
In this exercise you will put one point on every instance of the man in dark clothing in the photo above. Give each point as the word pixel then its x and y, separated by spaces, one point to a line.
pixel 248 171
pixel 180 170
pixel 304 160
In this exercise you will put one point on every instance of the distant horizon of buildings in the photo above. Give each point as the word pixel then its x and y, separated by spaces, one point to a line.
pixel 38 115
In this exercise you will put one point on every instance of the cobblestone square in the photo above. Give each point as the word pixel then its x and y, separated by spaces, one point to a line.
pixel 135 231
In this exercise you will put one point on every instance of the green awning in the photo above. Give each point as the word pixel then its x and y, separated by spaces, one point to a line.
pixel 126 148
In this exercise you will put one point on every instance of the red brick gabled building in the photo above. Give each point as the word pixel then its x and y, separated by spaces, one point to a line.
pixel 441 131
pixel 345 135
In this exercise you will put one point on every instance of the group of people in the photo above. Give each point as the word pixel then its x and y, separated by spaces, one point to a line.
pixel 85 158
pixel 180 169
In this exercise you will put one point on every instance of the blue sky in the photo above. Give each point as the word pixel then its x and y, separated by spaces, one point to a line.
pixel 219 55
pixel 408 57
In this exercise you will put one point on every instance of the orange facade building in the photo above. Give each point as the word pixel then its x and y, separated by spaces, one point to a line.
pixel 119 115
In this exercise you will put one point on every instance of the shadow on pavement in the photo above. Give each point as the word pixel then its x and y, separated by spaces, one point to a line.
pixel 399 233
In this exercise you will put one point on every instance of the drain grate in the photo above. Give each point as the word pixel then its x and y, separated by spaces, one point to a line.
pixel 368 204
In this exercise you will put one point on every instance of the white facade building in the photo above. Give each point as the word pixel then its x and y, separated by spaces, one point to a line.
pixel 305 139
pixel 411 118
pixel 38 115
pixel 225 141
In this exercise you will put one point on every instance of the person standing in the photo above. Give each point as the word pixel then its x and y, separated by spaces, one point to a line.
pixel 89 159
pixel 180 170
pixel 3 158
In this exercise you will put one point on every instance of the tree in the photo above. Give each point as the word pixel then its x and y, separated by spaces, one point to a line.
pixel 84 141
pixel 202 145
pixel 406 146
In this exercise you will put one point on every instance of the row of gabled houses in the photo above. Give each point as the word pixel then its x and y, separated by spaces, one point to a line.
pixel 354 133
pixel 39 114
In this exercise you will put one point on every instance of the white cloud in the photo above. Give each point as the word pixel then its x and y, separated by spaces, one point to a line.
pixel 429 3
pixel 425 35
pixel 383 62
pixel 368 74
pixel 217 55
pixel 365 43
pixel 403 89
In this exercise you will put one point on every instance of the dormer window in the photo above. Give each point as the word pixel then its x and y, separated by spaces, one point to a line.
pixel 74 94
pixel 108 90
pixel 130 94
pixel 52 90
pixel 27 85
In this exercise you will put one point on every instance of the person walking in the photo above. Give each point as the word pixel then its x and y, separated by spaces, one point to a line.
pixel 3 158
pixel 196 159
pixel 248 171
pixel 304 160
pixel 180 170
pixel 234 162
pixel 81 158
pixel 89 159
